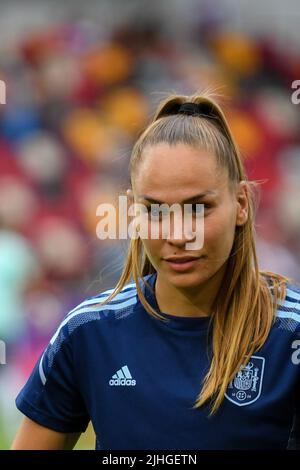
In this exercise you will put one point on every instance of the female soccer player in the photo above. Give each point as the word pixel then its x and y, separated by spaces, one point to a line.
pixel 201 351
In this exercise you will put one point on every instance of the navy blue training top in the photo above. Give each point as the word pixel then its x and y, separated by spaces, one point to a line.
pixel 137 378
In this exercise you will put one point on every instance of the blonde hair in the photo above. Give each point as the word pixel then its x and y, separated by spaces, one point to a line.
pixel 244 309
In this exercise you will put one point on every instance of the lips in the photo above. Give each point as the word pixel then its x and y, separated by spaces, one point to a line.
pixel 182 264
pixel 185 259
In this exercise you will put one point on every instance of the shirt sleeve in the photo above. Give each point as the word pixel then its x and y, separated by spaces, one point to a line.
pixel 294 440
pixel 51 397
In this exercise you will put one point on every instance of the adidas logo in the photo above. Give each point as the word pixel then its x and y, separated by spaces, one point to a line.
pixel 122 377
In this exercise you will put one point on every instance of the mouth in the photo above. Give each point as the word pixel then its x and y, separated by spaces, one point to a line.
pixel 183 263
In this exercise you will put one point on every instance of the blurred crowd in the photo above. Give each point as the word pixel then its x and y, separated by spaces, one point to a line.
pixel 77 97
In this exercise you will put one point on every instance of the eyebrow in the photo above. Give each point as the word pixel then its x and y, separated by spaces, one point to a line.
pixel 191 199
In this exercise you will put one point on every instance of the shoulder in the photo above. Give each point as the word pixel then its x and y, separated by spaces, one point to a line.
pixel 90 310
pixel 93 309
pixel 288 310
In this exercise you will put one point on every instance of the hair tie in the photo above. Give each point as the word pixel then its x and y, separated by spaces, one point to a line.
pixel 192 109
pixel 189 108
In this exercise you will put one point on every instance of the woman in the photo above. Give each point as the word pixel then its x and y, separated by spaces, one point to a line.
pixel 201 350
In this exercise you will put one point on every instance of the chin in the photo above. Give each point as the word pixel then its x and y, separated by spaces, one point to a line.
pixel 185 280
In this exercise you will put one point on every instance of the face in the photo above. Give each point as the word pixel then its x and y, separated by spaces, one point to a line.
pixel 173 174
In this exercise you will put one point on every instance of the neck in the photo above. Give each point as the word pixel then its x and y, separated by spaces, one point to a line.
pixel 188 302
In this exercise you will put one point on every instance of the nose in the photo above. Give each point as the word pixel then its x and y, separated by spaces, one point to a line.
pixel 176 234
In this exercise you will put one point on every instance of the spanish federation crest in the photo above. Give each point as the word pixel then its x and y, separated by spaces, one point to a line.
pixel 246 386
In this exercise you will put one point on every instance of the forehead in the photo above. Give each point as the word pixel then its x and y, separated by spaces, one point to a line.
pixel 173 172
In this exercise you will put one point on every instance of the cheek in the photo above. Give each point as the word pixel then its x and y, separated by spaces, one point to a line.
pixel 152 248
pixel 219 231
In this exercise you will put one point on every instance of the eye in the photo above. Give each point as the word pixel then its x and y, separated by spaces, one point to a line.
pixel 153 211
pixel 197 208
pixel 157 212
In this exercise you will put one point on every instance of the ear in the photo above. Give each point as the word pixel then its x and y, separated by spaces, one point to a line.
pixel 130 197
pixel 130 200
pixel 242 203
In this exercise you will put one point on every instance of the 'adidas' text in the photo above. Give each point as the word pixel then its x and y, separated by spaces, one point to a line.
pixel 122 377
pixel 122 382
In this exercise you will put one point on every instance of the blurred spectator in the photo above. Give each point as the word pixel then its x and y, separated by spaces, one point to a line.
pixel 82 81
pixel 18 268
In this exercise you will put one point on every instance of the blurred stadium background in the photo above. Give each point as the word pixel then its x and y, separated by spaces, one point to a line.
pixel 82 79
